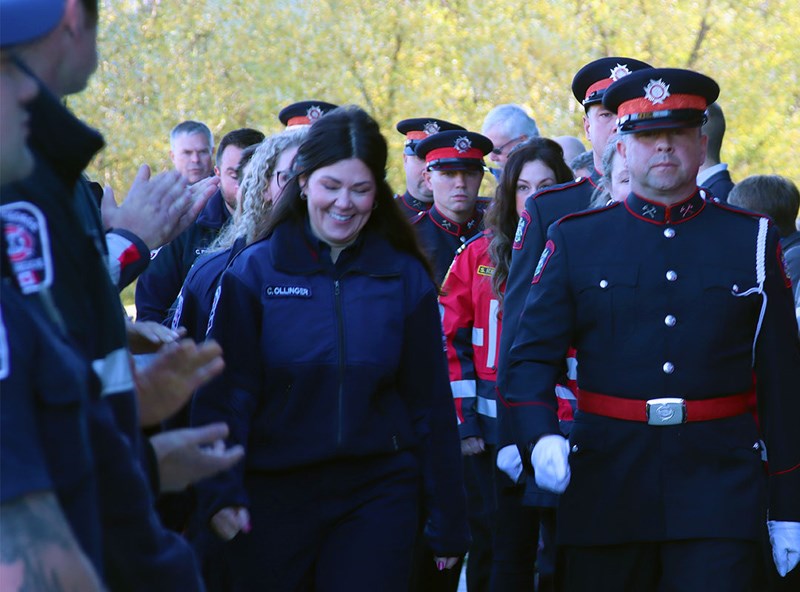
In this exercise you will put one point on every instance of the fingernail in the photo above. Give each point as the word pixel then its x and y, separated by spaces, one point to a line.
pixel 440 565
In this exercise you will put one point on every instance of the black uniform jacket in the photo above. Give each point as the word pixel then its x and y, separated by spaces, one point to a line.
pixel 687 301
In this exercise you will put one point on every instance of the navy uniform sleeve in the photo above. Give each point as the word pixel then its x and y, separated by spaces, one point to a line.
pixel 536 357
pixel 528 244
pixel 22 460
pixel 777 365
pixel 159 285
pixel 235 323
pixel 424 382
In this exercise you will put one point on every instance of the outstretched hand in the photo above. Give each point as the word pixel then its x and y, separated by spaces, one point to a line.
pixel 177 370
pixel 158 209
pixel 189 455
pixel 228 522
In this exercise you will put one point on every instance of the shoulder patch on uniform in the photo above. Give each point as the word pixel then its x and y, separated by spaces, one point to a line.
pixel 787 281
pixel 547 252
pixel 212 314
pixel 5 357
pixel 522 230
pixel 288 292
pixel 485 270
pixel 25 230
pixel 176 319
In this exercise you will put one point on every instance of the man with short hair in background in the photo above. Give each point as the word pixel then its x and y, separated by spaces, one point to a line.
pixel 160 284
pixel 507 126
pixel 191 145
pixel 714 174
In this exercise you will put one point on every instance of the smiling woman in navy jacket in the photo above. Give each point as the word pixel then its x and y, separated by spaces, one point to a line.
pixel 336 384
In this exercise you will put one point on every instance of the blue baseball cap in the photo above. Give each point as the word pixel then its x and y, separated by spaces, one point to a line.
pixel 22 21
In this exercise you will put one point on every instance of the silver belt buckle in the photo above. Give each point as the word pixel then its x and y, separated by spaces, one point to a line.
pixel 666 411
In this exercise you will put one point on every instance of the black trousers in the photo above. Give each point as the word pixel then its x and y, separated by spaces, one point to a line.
pixel 704 565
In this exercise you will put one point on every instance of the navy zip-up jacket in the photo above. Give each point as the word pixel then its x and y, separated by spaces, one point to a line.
pixel 327 362
pixel 159 285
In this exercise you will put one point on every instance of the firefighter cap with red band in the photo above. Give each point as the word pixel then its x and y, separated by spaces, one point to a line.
pixel 454 150
pixel 304 112
pixel 591 81
pixel 660 98
pixel 417 129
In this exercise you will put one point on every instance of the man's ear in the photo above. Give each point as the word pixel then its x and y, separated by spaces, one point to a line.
pixel 426 176
pixel 216 171
pixel 74 16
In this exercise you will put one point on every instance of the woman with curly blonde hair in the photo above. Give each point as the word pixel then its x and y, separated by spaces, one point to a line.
pixel 265 176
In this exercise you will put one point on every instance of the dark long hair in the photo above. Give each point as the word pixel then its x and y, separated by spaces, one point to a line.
pixel 341 134
pixel 502 217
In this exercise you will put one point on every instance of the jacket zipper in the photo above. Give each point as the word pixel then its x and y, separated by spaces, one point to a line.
pixel 340 324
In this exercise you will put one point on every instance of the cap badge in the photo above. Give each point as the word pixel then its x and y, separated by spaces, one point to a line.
pixel 657 91
pixel 619 71
pixel 462 144
pixel 431 128
pixel 314 112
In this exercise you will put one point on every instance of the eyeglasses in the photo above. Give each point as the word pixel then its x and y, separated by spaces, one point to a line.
pixel 500 149
pixel 283 177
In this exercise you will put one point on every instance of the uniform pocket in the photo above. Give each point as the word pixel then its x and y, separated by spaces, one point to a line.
pixel 607 298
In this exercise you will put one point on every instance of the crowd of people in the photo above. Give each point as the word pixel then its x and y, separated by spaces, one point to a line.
pixel 584 381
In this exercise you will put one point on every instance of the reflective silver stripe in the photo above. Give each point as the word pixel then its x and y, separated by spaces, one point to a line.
pixel 463 389
pixel 491 354
pixel 487 407
pixel 477 336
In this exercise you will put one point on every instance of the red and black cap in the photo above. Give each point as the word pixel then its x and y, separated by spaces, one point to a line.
pixel 454 150
pixel 304 112
pixel 660 98
pixel 591 81
pixel 417 129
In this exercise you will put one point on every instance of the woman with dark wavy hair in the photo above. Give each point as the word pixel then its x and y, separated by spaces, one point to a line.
pixel 335 383
pixel 471 299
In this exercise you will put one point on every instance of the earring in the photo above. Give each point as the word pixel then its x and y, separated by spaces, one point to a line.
pixel 303 196
pixel 375 206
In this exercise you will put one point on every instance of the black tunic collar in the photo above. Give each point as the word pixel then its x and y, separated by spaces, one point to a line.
pixel 656 213
pixel 412 203
pixel 468 228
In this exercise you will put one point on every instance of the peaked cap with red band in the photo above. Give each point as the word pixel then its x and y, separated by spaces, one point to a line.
pixel 419 128
pixel 454 150
pixel 591 81
pixel 304 112
pixel 660 98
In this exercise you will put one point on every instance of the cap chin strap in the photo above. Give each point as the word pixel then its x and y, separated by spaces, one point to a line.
pixel 761 275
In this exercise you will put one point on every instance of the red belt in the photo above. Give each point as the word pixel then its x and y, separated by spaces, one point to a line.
pixel 665 411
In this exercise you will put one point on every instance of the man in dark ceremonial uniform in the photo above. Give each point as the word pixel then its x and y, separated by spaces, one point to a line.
pixel 418 197
pixel 681 313
pixel 550 204
pixel 454 171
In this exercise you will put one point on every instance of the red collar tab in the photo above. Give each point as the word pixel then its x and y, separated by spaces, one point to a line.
pixel 468 228
pixel 657 213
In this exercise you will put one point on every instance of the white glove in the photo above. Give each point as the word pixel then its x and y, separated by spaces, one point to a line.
pixel 785 540
pixel 510 462
pixel 550 463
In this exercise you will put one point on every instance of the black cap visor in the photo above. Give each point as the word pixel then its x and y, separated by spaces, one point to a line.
pixel 656 120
